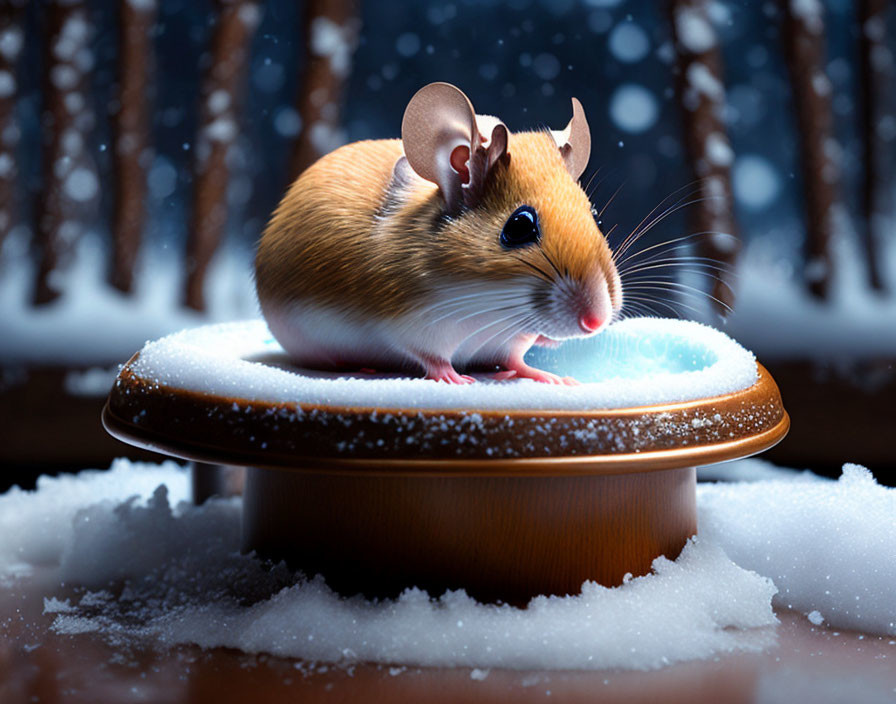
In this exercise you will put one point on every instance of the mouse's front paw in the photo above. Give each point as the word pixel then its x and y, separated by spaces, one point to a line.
pixel 521 370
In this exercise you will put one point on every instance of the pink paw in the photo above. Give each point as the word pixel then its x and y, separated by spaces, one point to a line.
pixel 445 372
pixel 542 341
pixel 524 371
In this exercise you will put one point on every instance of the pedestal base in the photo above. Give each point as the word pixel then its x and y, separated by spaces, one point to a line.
pixel 501 538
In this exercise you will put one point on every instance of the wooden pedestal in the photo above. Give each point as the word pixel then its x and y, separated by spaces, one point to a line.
pixel 501 538
pixel 506 504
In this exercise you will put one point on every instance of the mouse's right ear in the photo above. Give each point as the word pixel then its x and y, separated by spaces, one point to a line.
pixel 574 142
pixel 443 144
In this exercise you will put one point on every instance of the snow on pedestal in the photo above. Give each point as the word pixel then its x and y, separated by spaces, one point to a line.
pixel 636 362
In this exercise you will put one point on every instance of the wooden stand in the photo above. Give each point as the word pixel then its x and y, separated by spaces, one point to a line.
pixel 500 538
pixel 505 504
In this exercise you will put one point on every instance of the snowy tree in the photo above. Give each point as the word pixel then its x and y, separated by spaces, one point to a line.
pixel 132 124
pixel 11 41
pixel 330 36
pixel 804 44
pixel 701 93
pixel 222 91
pixel 876 83
pixel 70 182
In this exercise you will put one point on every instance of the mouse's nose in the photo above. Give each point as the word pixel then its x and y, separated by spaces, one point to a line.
pixel 589 322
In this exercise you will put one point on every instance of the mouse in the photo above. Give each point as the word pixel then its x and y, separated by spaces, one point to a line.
pixel 455 248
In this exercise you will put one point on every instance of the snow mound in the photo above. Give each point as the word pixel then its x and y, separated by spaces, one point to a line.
pixel 35 526
pixel 145 569
pixel 131 565
pixel 636 362
pixel 752 469
pixel 829 546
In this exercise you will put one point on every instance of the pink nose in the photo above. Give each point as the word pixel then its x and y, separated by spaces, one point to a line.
pixel 590 322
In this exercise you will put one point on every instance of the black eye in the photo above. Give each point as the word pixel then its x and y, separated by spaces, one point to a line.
pixel 521 228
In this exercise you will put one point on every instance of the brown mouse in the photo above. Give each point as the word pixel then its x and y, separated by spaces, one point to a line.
pixel 458 246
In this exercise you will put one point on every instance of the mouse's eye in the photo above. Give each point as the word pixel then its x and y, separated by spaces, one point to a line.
pixel 521 228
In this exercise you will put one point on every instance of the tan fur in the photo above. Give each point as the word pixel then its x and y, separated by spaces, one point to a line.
pixel 340 239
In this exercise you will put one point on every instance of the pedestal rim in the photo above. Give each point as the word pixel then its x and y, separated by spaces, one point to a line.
pixel 240 431
pixel 569 465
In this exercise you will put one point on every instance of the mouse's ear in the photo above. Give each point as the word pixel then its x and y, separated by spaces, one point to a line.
pixel 575 141
pixel 443 143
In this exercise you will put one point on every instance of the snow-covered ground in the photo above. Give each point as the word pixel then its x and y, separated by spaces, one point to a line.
pixel 92 323
pixel 134 559
pixel 777 318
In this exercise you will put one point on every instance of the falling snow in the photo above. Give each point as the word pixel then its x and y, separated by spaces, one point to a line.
pixel 633 108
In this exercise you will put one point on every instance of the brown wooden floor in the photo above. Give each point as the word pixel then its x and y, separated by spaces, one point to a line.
pixel 806 664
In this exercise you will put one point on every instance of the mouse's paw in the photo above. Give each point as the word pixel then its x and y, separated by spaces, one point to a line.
pixel 521 370
pixel 550 343
pixel 443 371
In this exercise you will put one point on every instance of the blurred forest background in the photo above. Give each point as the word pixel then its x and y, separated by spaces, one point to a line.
pixel 144 144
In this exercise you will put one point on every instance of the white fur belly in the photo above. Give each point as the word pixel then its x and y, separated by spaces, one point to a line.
pixel 464 326
pixel 322 338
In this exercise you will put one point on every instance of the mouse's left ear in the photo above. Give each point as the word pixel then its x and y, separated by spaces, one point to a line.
pixel 445 142
pixel 575 141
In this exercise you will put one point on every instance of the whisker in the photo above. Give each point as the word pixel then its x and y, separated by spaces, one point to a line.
pixel 669 305
pixel 551 262
pixel 671 256
pixel 667 243
pixel 541 272
pixel 515 325
pixel 683 288
pixel 493 294
pixel 600 214
pixel 695 267
pixel 638 234
pixel 521 326
pixel 636 305
pixel 659 205
pixel 500 291
pixel 492 323
pixel 591 180
pixel 482 311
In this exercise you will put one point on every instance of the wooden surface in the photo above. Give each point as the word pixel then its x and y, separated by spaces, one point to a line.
pixel 803 664
pixel 500 538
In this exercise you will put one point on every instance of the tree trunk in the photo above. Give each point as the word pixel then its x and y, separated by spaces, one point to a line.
pixel 11 41
pixel 330 34
pixel 701 94
pixel 876 79
pixel 132 150
pixel 804 43
pixel 70 183
pixel 222 92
